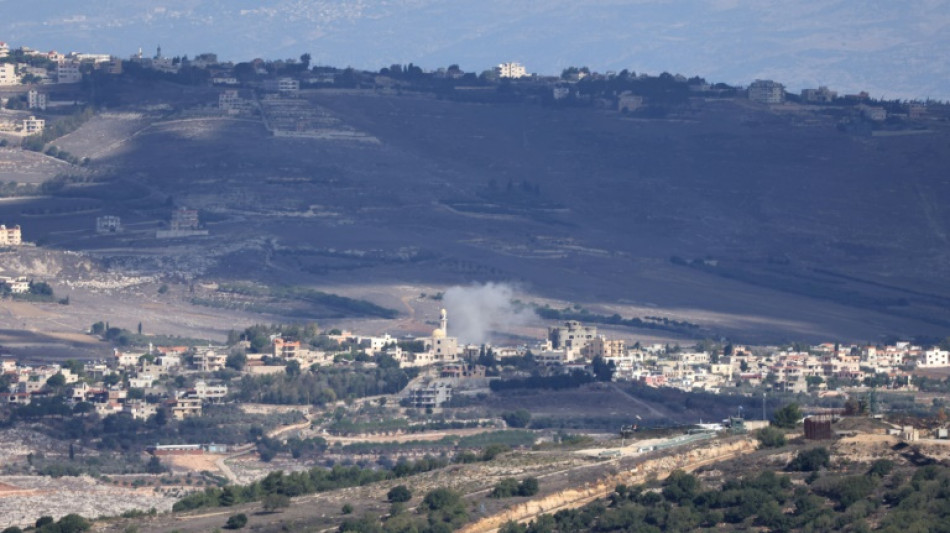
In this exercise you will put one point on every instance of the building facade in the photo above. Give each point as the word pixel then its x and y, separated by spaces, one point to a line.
pixel 8 74
pixel 511 70
pixel 11 236
pixel 767 92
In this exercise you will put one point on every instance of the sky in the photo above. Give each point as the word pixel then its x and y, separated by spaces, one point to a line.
pixel 890 49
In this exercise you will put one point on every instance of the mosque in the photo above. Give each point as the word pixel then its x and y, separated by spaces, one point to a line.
pixel 439 347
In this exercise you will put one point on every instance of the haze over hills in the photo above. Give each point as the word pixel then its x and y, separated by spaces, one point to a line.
pixel 890 49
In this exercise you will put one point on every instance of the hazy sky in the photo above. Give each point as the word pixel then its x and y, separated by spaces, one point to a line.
pixel 891 49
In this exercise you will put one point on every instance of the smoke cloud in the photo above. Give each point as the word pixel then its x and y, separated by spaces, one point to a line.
pixel 475 312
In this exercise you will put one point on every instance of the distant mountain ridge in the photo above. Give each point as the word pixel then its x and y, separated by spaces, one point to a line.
pixel 890 49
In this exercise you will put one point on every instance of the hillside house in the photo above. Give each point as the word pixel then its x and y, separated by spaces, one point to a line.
pixel 511 70
pixel 68 72
pixel 8 75
pixel 767 92
pixel 11 236
pixel 32 125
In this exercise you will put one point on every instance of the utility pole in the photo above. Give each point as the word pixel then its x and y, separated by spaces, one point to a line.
pixel 763 406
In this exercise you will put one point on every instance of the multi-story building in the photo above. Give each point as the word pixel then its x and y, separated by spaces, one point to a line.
pixel 11 236
pixel 33 125
pixel 8 74
pixel 282 85
pixel 511 70
pixel 821 95
pixel 571 337
pixel 4 49
pixel 36 100
pixel 17 285
pixel 286 349
pixel 68 72
pixel 184 219
pixel 767 92
pixel 210 392
pixel 108 224
pixel 599 346
pixel 210 360
pixel 185 406
pixel 430 395
pixel 934 358
pixel 139 409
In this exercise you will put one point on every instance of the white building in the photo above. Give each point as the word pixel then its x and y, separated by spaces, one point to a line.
pixel 36 100
pixel 210 392
pixel 8 74
pixel 767 92
pixel 33 125
pixel 443 349
pixel 934 358
pixel 511 70
pixel 11 236
pixel 108 224
pixel 4 49
pixel 430 395
pixel 68 72
pixel 17 285
pixel 821 94
pixel 282 85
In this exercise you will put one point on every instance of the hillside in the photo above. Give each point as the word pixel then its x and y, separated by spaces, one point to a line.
pixel 807 232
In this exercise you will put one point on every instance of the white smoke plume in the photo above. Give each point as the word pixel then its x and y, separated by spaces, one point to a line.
pixel 475 312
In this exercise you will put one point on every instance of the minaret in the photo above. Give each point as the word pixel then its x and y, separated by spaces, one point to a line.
pixel 444 322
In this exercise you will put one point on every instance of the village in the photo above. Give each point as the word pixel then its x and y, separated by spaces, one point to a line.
pixel 122 384
pixel 34 83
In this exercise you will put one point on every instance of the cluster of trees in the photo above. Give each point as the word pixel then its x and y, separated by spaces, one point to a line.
pixel 38 291
pixel 660 323
pixel 259 335
pixel 441 511
pixel 292 484
pixel 327 385
pixel 767 501
pixel 268 448
pixel 510 487
pixel 71 523
pixel 519 418
pixel 558 382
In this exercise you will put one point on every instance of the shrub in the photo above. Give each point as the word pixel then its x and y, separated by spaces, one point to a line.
pixel 517 419
pixel 272 502
pixel 787 417
pixel 809 460
pixel 881 467
pixel 236 521
pixel 347 509
pixel 771 437
pixel 399 493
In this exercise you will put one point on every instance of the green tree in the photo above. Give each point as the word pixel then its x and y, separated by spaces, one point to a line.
pixel 603 371
pixel 56 381
pixel 73 523
pixel 809 460
pixel 236 521
pixel 155 466
pixel 528 486
pixel 273 501
pixel 787 417
pixel 236 360
pixel 505 488
pixel 398 494
pixel 517 419
pixel 771 437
